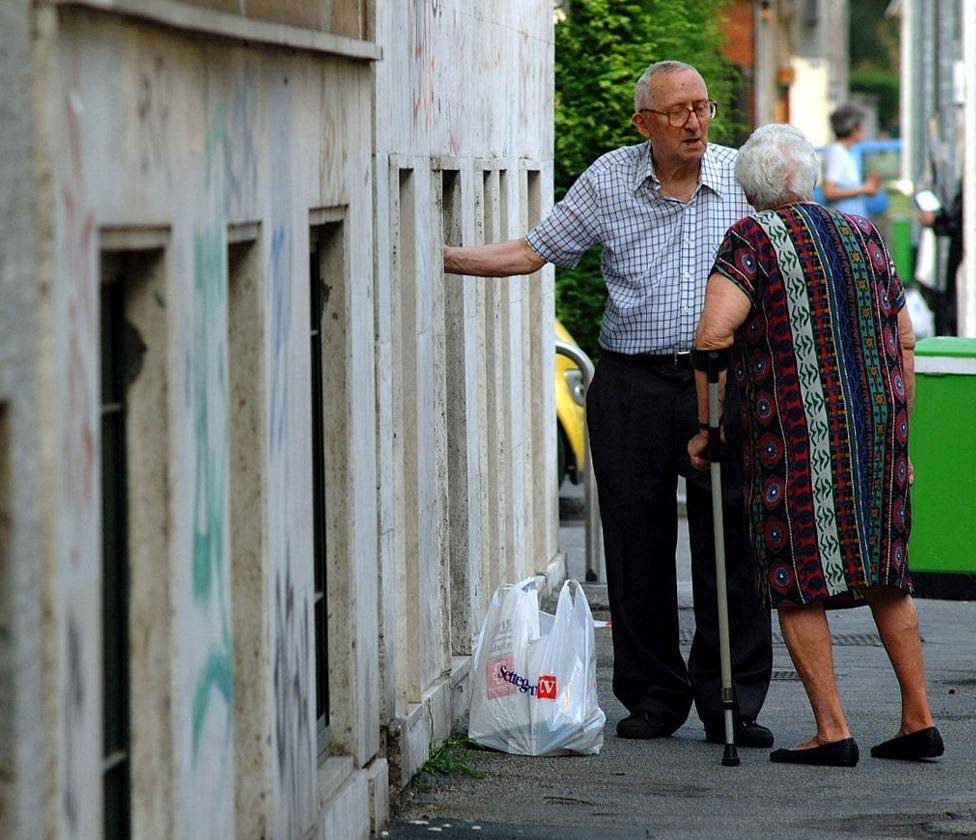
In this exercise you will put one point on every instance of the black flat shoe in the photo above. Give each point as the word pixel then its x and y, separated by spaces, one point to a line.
pixel 747 733
pixel 642 727
pixel 835 754
pixel 926 743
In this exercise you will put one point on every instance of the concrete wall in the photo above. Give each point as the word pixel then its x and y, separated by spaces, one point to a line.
pixel 466 444
pixel 195 154
pixel 794 55
pixel 767 57
pixel 820 66
pixel 160 141
pixel 22 764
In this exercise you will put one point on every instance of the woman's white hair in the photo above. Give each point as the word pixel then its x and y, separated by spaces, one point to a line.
pixel 642 90
pixel 776 166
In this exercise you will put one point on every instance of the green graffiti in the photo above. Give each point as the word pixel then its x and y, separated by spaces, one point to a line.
pixel 207 382
pixel 217 676
pixel 210 414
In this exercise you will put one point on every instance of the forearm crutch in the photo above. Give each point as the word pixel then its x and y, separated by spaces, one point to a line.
pixel 713 362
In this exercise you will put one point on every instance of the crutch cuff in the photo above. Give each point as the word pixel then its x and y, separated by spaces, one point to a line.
pixel 704 360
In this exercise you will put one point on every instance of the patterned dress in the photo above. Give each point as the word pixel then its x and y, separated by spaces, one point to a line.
pixel 819 364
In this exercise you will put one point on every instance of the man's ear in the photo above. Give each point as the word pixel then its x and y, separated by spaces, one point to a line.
pixel 638 120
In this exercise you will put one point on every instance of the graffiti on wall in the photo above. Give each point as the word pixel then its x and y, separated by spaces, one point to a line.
pixel 291 687
pixel 240 161
pixel 423 64
pixel 79 546
pixel 208 379
pixel 153 97
pixel 79 436
pixel 208 650
pixel 294 750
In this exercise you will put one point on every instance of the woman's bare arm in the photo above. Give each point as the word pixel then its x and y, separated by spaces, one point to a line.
pixel 906 337
pixel 726 308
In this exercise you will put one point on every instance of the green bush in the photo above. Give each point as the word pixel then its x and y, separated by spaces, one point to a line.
pixel 602 47
pixel 885 85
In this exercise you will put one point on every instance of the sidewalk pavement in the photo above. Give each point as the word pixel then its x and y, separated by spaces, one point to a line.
pixel 676 787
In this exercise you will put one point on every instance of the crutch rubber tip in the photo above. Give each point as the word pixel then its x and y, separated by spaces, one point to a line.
pixel 731 756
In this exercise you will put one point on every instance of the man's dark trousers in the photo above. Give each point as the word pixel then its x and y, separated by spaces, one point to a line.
pixel 641 414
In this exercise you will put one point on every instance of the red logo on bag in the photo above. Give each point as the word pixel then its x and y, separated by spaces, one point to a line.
pixel 547 688
pixel 495 670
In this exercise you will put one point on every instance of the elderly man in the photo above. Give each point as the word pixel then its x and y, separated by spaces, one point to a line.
pixel 659 209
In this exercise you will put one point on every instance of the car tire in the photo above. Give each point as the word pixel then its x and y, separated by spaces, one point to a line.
pixel 560 456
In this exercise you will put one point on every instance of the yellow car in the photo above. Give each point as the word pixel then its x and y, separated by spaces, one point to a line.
pixel 569 415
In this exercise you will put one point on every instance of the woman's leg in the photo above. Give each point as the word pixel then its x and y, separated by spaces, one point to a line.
pixel 807 637
pixel 897 621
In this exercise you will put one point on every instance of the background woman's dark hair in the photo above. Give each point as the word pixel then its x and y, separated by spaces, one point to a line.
pixel 846 119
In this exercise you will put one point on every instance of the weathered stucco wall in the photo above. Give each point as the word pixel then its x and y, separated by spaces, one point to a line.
pixel 464 365
pixel 21 710
pixel 163 142
pixel 191 156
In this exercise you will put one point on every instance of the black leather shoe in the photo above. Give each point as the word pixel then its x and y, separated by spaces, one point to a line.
pixel 747 733
pixel 641 726
pixel 835 754
pixel 926 743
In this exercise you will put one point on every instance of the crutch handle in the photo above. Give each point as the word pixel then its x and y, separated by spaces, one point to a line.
pixel 712 363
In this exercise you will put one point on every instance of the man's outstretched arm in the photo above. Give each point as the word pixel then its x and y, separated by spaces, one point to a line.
pixel 502 259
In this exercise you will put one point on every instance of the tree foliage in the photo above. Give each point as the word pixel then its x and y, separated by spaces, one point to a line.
pixel 874 50
pixel 874 36
pixel 602 47
pixel 884 85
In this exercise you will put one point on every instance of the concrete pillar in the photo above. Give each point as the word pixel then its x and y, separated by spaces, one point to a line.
pixel 24 730
pixel 967 280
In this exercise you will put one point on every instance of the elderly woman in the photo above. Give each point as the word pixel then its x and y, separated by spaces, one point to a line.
pixel 823 353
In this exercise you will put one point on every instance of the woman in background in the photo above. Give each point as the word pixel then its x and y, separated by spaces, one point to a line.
pixel 843 188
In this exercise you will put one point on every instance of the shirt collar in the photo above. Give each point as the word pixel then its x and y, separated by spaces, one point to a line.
pixel 709 175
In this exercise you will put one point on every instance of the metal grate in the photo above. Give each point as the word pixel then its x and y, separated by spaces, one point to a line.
pixel 856 639
pixel 839 639
pixel 785 674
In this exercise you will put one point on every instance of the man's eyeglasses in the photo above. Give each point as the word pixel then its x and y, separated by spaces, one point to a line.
pixel 677 117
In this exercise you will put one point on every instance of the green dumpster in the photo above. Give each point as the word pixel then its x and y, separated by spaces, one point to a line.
pixel 942 553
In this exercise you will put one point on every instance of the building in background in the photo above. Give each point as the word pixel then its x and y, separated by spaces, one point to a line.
pixel 793 55
pixel 261 463
pixel 938 117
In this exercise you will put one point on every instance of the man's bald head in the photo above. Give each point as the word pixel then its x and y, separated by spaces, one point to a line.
pixel 643 95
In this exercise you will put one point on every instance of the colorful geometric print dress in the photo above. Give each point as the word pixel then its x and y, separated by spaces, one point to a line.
pixel 824 404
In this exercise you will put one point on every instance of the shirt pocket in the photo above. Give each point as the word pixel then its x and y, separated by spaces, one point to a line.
pixel 636 261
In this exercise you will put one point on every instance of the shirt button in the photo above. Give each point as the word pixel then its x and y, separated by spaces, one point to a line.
pixel 685 275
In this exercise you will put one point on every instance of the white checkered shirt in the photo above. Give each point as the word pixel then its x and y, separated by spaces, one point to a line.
pixel 657 252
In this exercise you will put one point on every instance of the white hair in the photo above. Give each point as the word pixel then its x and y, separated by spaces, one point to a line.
pixel 642 91
pixel 776 166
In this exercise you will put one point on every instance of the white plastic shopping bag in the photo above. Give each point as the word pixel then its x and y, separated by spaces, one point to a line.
pixel 534 675
pixel 923 321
